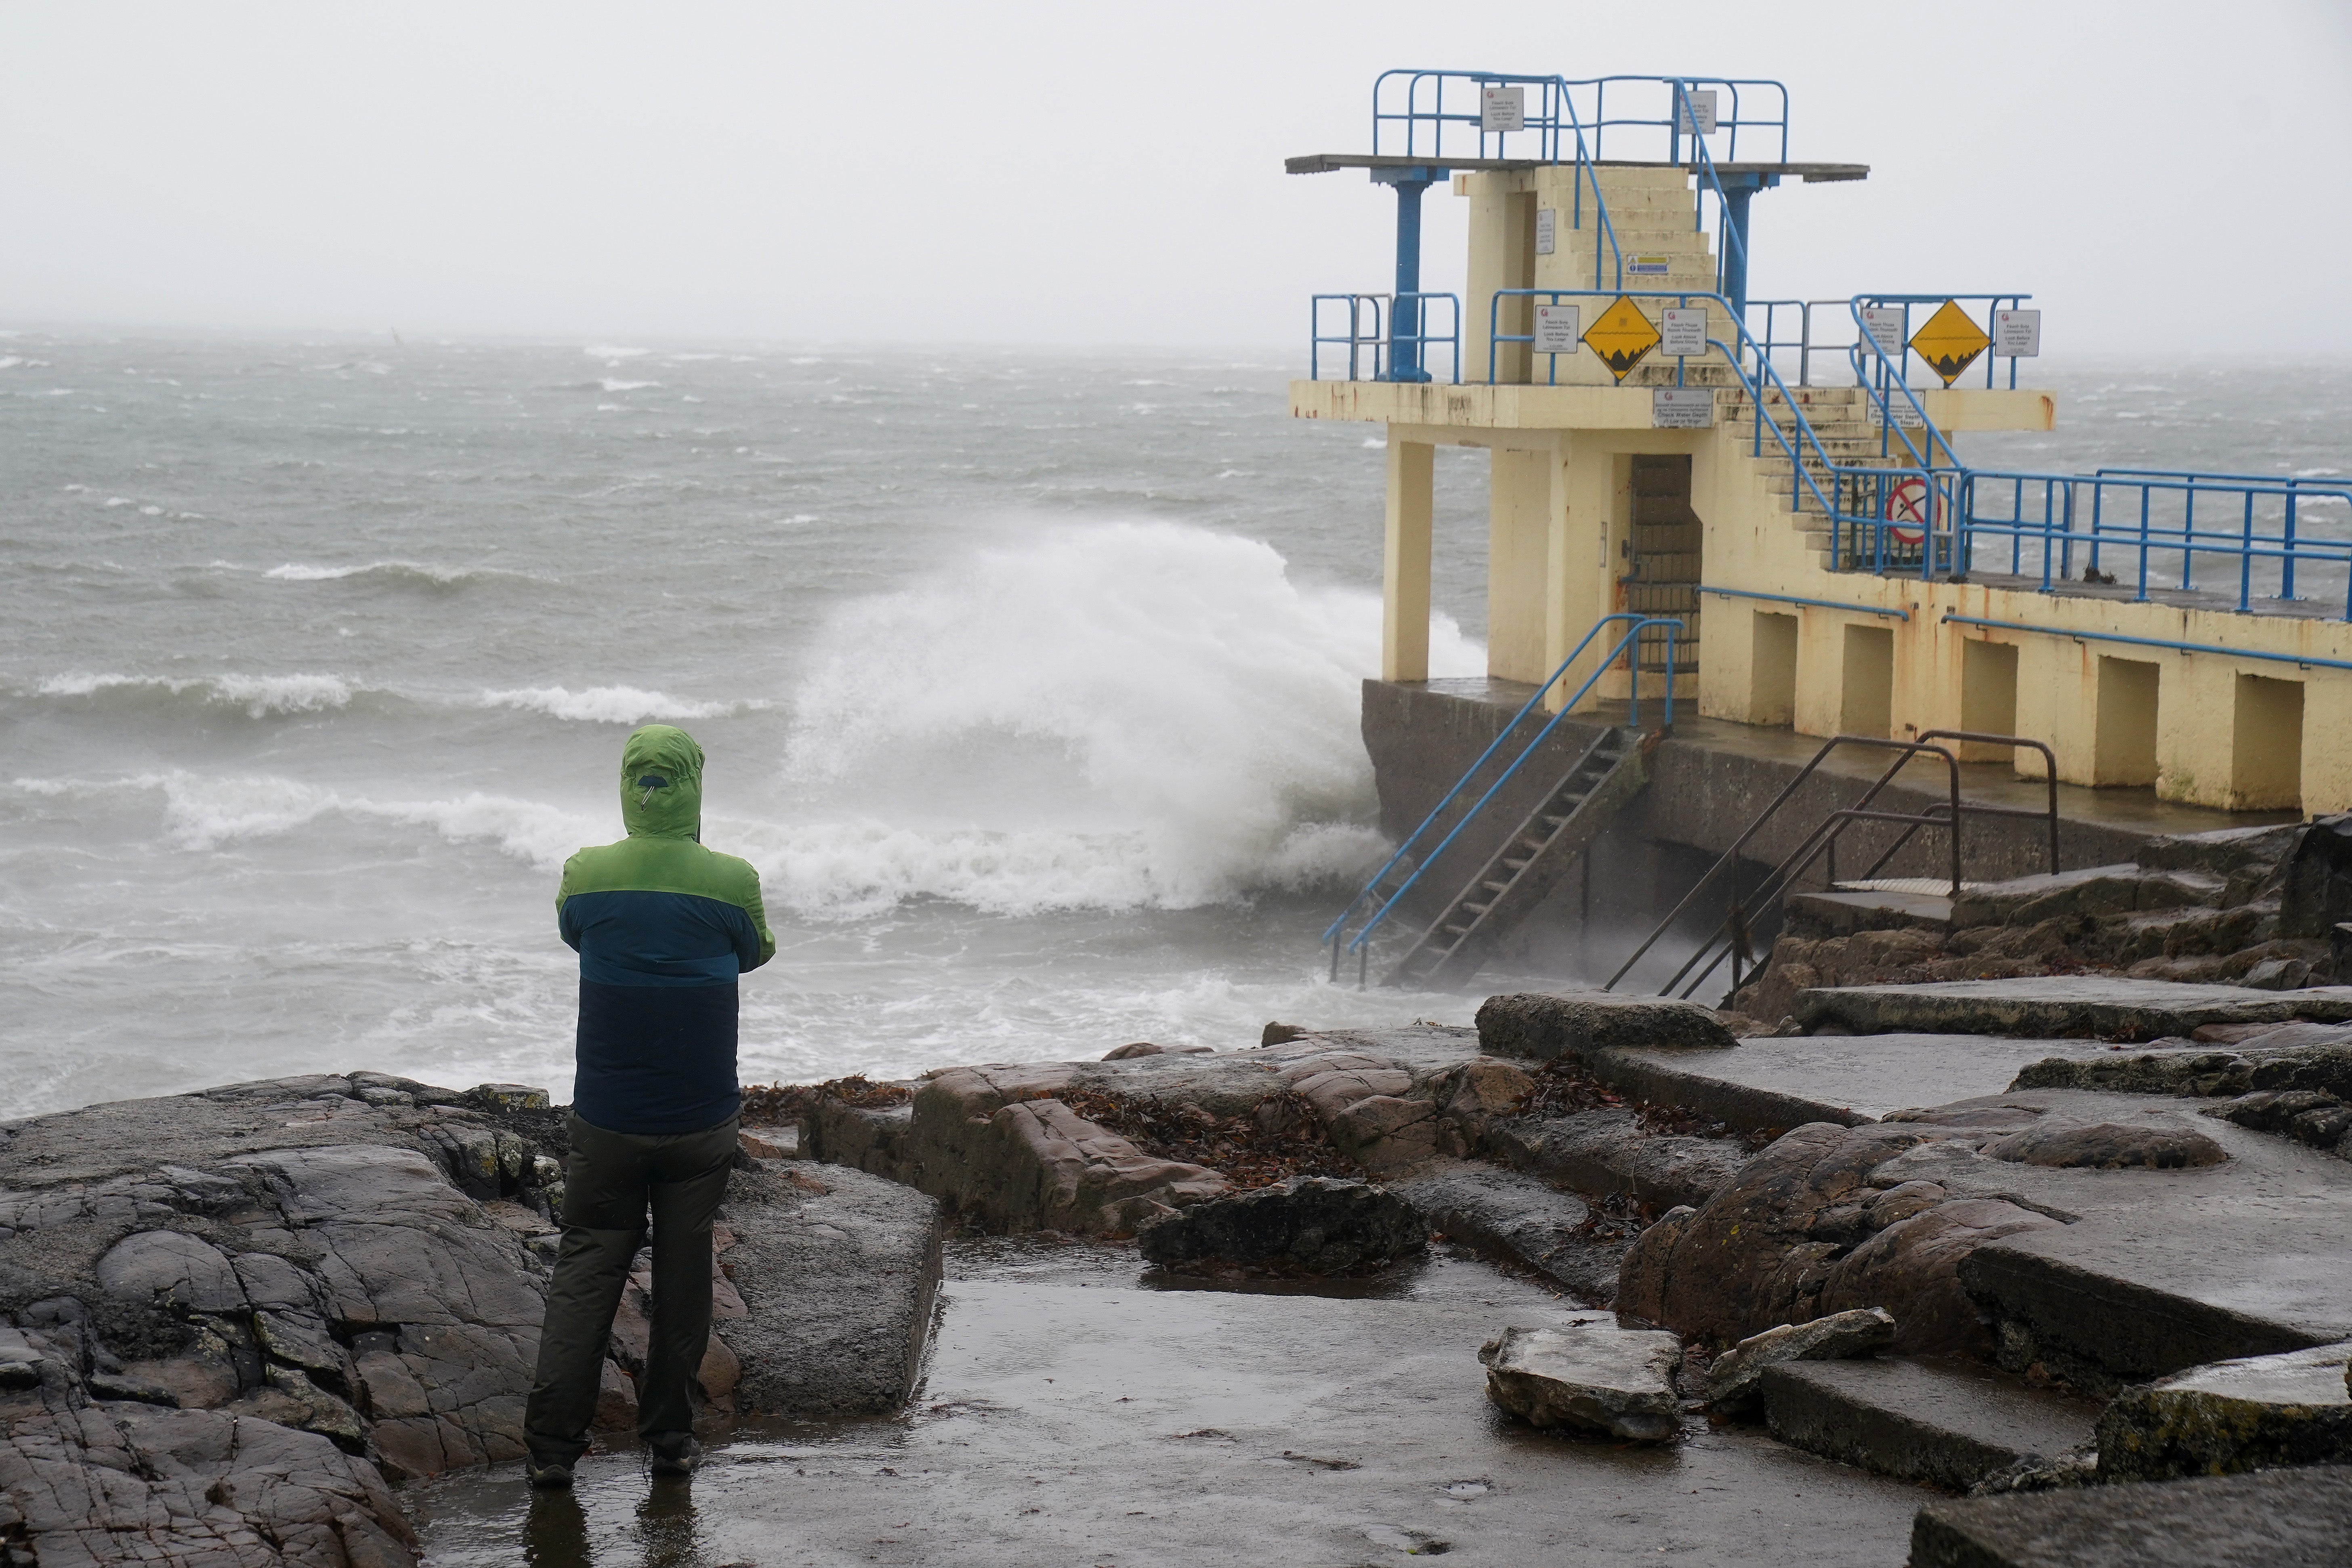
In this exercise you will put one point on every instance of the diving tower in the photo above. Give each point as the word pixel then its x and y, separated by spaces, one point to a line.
pixel 1776 478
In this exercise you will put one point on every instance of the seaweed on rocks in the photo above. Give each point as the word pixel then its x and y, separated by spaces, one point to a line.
pixel 767 1104
pixel 1282 1138
pixel 1563 1087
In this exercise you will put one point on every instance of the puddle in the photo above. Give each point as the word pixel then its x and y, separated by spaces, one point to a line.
pixel 1073 1414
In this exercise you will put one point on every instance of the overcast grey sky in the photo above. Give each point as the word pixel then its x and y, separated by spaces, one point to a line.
pixel 2162 175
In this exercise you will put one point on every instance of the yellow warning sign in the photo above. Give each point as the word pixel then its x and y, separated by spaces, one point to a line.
pixel 1621 337
pixel 1950 343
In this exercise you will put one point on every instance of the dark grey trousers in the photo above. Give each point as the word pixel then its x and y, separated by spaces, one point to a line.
pixel 609 1183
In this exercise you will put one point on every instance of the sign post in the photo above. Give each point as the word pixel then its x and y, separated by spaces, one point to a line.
pixel 1683 332
pixel 2017 335
pixel 1502 109
pixel 1556 329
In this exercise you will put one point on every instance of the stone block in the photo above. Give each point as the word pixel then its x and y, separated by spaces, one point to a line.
pixel 1312 1224
pixel 1945 1423
pixel 2272 1518
pixel 1735 1382
pixel 1539 1027
pixel 1589 1375
pixel 2292 1408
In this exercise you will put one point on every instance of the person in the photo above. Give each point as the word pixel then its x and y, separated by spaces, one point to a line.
pixel 663 927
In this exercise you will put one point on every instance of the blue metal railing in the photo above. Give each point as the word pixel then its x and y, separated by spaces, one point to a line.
pixel 1383 339
pixel 1626 648
pixel 2256 523
pixel 1891 363
pixel 1421 119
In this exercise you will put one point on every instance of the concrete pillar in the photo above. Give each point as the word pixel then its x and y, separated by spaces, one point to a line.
pixel 1518 503
pixel 1404 560
pixel 1560 575
pixel 1502 256
pixel 2328 743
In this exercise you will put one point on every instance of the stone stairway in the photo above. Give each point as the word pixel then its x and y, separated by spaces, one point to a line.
pixel 1661 576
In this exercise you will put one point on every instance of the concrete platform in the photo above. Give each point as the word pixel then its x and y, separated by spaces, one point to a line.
pixel 1071 1416
pixel 1849 1078
pixel 2154 1270
pixel 1946 1424
pixel 2274 1519
pixel 2106 1006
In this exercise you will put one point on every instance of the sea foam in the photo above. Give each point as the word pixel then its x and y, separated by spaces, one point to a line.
pixel 612 704
pixel 1117 716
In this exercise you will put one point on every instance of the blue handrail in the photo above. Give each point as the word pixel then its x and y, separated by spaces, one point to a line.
pixel 2304 661
pixel 1383 339
pixel 1631 639
pixel 2143 514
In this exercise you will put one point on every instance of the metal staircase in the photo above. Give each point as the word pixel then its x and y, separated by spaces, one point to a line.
pixel 1533 861
pixel 1542 846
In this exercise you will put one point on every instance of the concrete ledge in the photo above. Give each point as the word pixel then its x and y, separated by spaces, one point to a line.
pixel 2273 1519
pixel 2060 1007
pixel 1944 1424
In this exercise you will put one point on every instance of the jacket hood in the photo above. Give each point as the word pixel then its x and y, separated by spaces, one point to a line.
pixel 661 784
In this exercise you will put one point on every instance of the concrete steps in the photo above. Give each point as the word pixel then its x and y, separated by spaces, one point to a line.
pixel 1945 1423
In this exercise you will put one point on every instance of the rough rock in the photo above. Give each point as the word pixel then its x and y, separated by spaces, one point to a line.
pixel 1751 1258
pixel 2107 1146
pixel 1146 1048
pixel 1609 1151
pixel 1539 1027
pixel 1524 1220
pixel 1309 1223
pixel 2273 1519
pixel 992 1142
pixel 2287 1409
pixel 1735 1382
pixel 1587 1374
pixel 2100 1006
pixel 85 1481
pixel 1911 1268
pixel 836 1272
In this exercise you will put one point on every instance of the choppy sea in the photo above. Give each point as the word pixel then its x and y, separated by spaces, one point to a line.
pixel 1028 682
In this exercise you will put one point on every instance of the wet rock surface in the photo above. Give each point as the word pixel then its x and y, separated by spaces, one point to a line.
pixel 1311 1224
pixel 836 1272
pixel 2287 1409
pixel 1541 1025
pixel 1588 1376
pixel 271 1299
pixel 1948 1423
pixel 1735 1382
pixel 1526 1221
pixel 2274 1519
pixel 2106 1006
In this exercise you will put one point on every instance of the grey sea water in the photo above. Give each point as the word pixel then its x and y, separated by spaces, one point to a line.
pixel 1028 682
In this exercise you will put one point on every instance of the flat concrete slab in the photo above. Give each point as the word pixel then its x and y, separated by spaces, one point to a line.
pixel 1949 1423
pixel 2154 1270
pixel 2107 1006
pixel 1071 1416
pixel 1850 1078
pixel 1849 909
pixel 2273 1519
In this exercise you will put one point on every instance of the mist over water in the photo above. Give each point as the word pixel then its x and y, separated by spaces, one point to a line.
pixel 1029 684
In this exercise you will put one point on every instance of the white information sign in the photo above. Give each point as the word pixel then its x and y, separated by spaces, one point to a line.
pixel 1682 408
pixel 1905 416
pixel 1649 266
pixel 1502 109
pixel 1683 332
pixel 1883 324
pixel 1547 229
pixel 1557 330
pixel 1695 103
pixel 2017 335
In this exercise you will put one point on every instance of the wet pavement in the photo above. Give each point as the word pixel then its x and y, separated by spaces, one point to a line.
pixel 1075 1414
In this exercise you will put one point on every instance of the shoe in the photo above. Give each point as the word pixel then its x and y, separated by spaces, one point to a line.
pixel 675 1454
pixel 550 1478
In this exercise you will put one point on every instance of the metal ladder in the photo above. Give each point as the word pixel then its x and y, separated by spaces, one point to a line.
pixel 1385 894
pixel 1530 864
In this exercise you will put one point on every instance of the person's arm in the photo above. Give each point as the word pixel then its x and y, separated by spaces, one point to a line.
pixel 565 925
pixel 754 942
